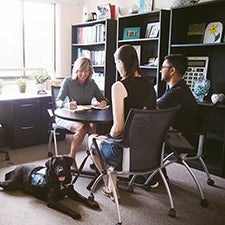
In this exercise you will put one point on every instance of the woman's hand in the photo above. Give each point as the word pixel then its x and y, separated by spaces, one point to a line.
pixel 72 105
pixel 102 104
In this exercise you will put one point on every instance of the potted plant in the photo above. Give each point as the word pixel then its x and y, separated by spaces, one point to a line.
pixel 1 85
pixel 40 76
pixel 22 84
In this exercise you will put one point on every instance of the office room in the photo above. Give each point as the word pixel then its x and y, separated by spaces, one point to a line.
pixel 42 45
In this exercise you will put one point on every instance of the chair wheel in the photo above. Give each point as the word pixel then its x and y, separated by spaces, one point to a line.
pixel 119 223
pixel 204 203
pixel 91 197
pixel 172 213
pixel 50 154
pixel 210 182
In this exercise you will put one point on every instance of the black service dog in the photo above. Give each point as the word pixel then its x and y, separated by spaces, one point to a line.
pixel 50 184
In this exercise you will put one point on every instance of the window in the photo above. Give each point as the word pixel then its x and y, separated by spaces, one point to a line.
pixel 27 37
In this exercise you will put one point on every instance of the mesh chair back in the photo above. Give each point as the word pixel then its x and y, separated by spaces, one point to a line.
pixel 144 134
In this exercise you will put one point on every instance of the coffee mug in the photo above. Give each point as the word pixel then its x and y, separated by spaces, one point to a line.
pixel 90 16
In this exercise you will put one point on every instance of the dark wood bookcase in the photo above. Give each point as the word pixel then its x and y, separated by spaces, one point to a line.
pixel 97 40
pixel 180 20
pixel 131 30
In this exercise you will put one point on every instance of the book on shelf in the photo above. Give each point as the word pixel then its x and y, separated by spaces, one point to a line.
pixel 91 34
pixel 195 33
pixel 97 56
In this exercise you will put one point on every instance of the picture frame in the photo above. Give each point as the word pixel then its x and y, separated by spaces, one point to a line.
pixel 104 12
pixel 195 32
pixel 152 30
pixel 131 33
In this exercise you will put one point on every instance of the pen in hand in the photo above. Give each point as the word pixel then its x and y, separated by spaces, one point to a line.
pixel 73 104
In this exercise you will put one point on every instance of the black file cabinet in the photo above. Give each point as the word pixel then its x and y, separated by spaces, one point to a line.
pixel 25 121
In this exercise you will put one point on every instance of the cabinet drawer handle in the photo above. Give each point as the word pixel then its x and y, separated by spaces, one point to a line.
pixel 27 105
pixel 27 128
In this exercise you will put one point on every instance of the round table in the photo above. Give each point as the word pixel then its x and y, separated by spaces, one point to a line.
pixel 90 116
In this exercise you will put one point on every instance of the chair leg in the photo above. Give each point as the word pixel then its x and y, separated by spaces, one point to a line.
pixel 50 144
pixel 172 211
pixel 209 180
pixel 55 142
pixel 204 202
pixel 116 198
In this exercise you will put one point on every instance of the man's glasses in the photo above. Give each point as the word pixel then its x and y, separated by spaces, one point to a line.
pixel 162 67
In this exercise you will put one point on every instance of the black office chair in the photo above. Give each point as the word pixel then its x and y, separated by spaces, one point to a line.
pixel 183 149
pixel 2 142
pixel 143 148
pixel 55 129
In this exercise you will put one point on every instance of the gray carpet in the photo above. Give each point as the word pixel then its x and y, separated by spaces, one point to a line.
pixel 140 207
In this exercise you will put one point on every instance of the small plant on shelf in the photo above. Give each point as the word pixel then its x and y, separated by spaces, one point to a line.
pixel 40 76
pixel 22 84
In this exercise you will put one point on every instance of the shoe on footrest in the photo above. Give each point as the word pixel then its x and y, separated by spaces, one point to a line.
pixel 107 192
pixel 140 180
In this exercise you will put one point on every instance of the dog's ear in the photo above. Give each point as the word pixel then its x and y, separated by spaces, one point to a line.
pixel 69 160
pixel 49 162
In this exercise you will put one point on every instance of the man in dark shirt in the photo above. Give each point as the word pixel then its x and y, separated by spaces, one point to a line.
pixel 178 93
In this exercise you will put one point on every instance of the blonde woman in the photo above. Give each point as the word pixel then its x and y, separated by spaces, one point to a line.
pixel 79 89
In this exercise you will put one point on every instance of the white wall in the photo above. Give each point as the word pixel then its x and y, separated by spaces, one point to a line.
pixel 66 15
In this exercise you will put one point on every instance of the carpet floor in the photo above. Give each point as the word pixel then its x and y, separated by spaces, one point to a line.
pixel 140 207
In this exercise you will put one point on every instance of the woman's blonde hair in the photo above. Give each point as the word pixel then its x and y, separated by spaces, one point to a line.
pixel 82 63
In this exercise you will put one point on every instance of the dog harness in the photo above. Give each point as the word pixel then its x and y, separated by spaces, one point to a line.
pixel 38 178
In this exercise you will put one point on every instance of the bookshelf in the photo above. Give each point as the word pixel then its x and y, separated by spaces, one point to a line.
pixel 148 33
pixel 188 25
pixel 97 41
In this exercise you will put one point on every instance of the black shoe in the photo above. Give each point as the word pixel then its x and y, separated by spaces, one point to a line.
pixel 140 180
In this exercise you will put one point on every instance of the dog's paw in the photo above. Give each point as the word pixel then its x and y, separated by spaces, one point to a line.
pixel 94 205
pixel 75 215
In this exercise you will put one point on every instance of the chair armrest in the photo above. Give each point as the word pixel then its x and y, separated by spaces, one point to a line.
pixel 50 113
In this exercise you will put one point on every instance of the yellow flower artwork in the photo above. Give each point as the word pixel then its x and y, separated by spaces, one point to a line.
pixel 213 32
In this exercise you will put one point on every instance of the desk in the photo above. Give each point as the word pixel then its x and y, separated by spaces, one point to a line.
pixel 89 116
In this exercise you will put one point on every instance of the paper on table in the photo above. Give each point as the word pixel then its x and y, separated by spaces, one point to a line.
pixel 80 108
pixel 96 107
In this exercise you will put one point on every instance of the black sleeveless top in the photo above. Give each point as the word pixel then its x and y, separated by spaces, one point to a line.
pixel 141 94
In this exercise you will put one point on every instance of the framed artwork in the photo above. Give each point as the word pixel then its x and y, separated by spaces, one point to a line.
pixel 131 33
pixel 152 30
pixel 103 12
pixel 195 32
pixel 213 33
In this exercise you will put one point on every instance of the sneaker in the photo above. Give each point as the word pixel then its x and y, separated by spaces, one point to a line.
pixel 140 180
pixel 107 192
